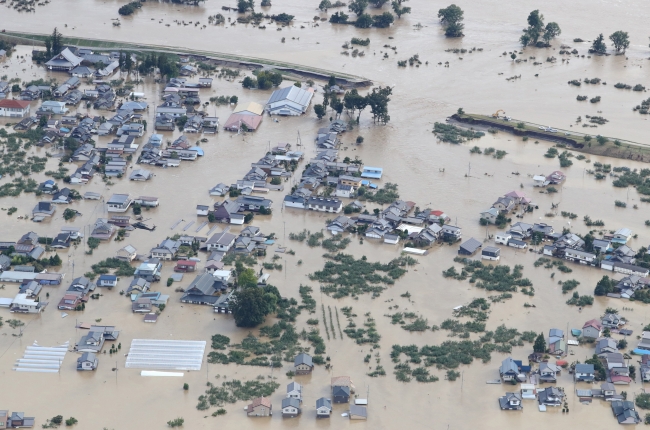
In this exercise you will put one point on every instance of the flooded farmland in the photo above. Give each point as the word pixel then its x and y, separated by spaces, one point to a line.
pixel 431 173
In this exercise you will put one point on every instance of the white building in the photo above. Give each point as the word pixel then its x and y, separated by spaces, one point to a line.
pixel 118 203
pixel 14 108
pixel 290 101
pixel 22 304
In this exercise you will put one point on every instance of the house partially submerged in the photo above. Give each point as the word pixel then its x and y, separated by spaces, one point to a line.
pixel 323 408
pixel 202 290
pixel 290 407
pixel 625 412
pixel 550 396
pixel 87 361
pixel 289 101
pixel 260 407
pixel 303 364
pixel 511 402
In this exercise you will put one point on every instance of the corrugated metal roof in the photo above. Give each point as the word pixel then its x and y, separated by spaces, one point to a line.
pixel 292 93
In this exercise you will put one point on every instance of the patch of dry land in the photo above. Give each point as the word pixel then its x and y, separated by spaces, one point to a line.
pixel 417 338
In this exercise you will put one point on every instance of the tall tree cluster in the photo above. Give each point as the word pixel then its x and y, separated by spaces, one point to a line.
pixel 54 43
pixel 538 34
pixel 451 17
pixel 354 103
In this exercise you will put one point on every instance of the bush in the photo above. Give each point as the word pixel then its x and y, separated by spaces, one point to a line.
pixel 71 421
pixel 170 281
pixel 186 386
pixel 178 422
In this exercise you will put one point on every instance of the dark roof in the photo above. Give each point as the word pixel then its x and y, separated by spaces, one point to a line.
pixel 303 358
pixel 471 245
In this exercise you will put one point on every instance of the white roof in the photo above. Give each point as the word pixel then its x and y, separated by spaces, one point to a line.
pixel 410 228
pixel 293 94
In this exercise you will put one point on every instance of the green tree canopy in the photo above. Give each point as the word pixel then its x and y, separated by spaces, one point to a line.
pixel 247 278
pixel 450 14
pixel 250 306
pixel 363 21
pixel 599 46
pixel 620 39
pixel 540 344
pixel 399 9
pixel 358 6
pixel 384 20
pixel 604 286
pixel 551 31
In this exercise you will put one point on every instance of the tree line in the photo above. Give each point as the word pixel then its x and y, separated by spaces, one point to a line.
pixel 354 103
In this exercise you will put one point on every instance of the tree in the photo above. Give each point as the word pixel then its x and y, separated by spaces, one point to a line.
pixel 339 18
pixel 320 111
pixel 93 242
pixel 358 6
pixel 247 278
pixel 399 9
pixel 598 46
pixel 384 20
pixel 452 18
pixel 604 286
pixel 378 101
pixel 378 3
pixel 363 21
pixel 536 29
pixel 250 306
pixel 540 344
pixel 56 39
pixel 551 31
pixel 128 61
pixel 450 15
pixel 620 39
pixel 245 5
pixel 325 4
pixel 455 30
pixel 249 82
pixel 513 56
pixel 68 214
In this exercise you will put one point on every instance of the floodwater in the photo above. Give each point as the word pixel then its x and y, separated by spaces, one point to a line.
pixel 410 156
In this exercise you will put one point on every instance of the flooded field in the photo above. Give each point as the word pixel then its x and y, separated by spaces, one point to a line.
pixel 430 173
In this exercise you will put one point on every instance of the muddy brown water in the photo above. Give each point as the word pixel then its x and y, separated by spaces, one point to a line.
pixel 410 156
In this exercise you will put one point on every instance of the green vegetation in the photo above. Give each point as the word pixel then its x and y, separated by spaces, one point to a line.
pixel 368 334
pixel 68 214
pixel 343 275
pixel 452 134
pixel 129 8
pixel 549 264
pixel 579 300
pixel 451 18
pixel 233 391
pixel 177 422
pixel 491 278
pixel 362 42
pixel 642 400
pixel 250 305
pixel 598 46
pixel 121 268
pixel 71 421
pixel 264 80
pixel 568 285
pixel 536 31
pixel 386 195
pixel 620 40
